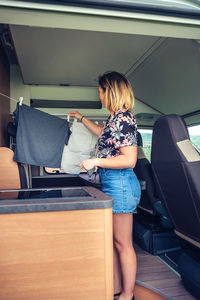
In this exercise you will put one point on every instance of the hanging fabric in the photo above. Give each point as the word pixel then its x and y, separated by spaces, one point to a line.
pixel 81 146
pixel 40 137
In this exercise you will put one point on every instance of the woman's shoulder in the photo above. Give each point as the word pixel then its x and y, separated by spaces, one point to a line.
pixel 126 116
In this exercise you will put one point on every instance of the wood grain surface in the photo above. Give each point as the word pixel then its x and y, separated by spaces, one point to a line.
pixel 56 255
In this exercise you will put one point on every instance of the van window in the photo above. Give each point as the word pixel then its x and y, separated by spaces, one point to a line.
pixel 146 138
pixel 194 132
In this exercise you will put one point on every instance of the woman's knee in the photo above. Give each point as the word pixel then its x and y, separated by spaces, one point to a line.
pixel 117 245
pixel 121 245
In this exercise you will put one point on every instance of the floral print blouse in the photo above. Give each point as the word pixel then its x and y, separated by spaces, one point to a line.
pixel 118 131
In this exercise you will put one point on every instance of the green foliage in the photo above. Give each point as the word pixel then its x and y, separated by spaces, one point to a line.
pixel 147 139
pixel 195 139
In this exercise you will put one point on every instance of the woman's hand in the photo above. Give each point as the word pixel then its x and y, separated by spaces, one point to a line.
pixel 94 128
pixel 75 114
pixel 89 164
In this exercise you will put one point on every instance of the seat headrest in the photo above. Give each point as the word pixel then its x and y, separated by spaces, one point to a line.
pixel 172 126
pixel 139 139
pixel 12 129
pixel 167 132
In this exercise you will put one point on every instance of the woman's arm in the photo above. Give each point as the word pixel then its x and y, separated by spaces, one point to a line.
pixel 94 128
pixel 127 159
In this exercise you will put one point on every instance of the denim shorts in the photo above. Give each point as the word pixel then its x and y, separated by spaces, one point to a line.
pixel 123 186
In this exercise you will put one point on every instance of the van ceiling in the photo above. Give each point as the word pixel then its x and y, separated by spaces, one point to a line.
pixel 169 78
pixel 164 72
pixel 74 57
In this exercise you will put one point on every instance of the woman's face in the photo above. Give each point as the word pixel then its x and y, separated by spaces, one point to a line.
pixel 102 96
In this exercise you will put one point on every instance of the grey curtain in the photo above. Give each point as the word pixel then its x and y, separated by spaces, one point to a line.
pixel 40 137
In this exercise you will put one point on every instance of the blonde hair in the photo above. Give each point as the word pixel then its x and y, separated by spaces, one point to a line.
pixel 118 91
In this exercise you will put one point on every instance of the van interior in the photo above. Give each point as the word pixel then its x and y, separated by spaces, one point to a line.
pixel 51 55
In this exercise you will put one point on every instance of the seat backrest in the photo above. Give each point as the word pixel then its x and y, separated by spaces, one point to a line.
pixel 24 169
pixel 176 168
pixel 144 174
pixel 12 129
pixel 9 172
pixel 12 132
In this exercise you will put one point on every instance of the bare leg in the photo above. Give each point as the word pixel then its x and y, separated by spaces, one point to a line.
pixel 117 272
pixel 122 229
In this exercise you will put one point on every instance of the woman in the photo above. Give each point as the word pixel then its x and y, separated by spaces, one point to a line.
pixel 117 155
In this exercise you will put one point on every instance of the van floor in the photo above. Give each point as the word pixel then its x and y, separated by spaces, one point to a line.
pixel 154 272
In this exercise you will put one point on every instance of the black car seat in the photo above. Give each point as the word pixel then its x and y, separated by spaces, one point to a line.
pixel 12 132
pixel 150 202
pixel 24 169
pixel 176 167
pixel 144 175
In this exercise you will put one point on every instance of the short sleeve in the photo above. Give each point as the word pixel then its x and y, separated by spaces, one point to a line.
pixel 124 130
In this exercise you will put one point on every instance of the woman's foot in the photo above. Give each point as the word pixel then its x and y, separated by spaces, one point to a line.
pixel 126 297
pixel 116 295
